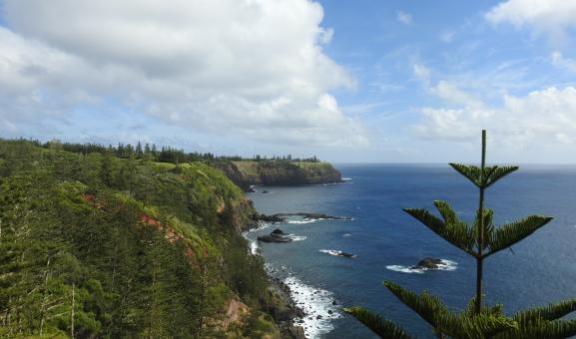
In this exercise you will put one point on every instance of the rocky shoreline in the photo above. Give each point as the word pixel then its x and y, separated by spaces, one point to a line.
pixel 298 309
pixel 282 217
pixel 285 310
pixel 282 307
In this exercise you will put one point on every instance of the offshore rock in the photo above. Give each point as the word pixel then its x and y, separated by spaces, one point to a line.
pixel 428 263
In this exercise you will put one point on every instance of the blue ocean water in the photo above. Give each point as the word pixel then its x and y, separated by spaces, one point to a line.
pixel 540 270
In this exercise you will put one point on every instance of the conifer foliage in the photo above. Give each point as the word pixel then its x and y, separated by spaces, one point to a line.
pixel 479 239
pixel 98 246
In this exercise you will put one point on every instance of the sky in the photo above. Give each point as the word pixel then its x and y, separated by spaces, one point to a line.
pixel 397 81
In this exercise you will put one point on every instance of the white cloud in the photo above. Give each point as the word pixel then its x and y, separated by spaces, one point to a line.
pixel 444 90
pixel 551 17
pixel 560 61
pixel 541 117
pixel 404 17
pixel 547 116
pixel 250 67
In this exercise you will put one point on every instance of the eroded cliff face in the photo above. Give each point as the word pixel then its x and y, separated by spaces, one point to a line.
pixel 279 173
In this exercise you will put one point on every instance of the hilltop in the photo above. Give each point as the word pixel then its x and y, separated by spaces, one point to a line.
pixel 244 172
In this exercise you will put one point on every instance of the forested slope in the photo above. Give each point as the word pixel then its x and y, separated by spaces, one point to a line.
pixel 97 246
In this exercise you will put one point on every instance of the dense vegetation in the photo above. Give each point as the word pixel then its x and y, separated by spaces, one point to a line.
pixel 480 240
pixel 96 245
pixel 244 172
pixel 161 154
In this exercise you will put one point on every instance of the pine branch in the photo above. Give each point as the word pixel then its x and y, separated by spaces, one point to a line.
pixel 481 326
pixel 512 233
pixel 435 313
pixel 484 179
pixel 429 307
pixel 382 327
pixel 540 328
pixel 549 312
pixel 472 173
pixel 446 211
pixel 496 310
pixel 497 173
pixel 455 232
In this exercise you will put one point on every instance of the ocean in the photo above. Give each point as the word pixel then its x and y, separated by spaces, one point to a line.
pixel 387 241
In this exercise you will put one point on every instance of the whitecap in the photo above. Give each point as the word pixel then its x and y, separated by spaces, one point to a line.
pixel 445 265
pixel 303 221
pixel 338 253
pixel 331 252
pixel 254 248
pixel 317 305
pixel 346 179
pixel 296 237
pixel 405 269
pixel 346 235
pixel 261 226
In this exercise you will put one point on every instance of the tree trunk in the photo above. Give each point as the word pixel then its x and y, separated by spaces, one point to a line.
pixel 479 259
pixel 43 306
pixel 72 312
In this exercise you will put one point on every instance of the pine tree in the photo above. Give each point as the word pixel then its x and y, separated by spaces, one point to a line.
pixel 480 240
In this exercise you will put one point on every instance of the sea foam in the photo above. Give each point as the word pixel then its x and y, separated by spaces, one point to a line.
pixel 317 305
pixel 303 221
pixel 445 265
pixel 335 253
pixel 296 237
pixel 253 247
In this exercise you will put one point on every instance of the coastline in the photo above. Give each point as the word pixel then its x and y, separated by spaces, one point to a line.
pixel 284 309
pixel 287 312
pixel 300 310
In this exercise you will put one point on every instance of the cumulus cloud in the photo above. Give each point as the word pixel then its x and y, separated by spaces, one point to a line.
pixel 251 67
pixel 551 17
pixel 546 116
pixel 541 117
pixel 404 17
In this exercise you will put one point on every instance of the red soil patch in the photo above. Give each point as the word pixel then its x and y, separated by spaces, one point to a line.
pixel 91 199
pixel 148 220
pixel 169 232
pixel 88 197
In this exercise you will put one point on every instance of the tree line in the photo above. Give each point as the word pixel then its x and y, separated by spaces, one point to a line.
pixel 152 152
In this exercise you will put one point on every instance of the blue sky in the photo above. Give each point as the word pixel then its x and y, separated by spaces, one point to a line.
pixel 362 81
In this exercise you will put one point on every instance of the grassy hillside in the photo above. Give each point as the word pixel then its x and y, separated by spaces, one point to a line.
pixel 279 172
pixel 97 246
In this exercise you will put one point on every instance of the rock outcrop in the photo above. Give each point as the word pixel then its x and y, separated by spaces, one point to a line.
pixel 277 236
pixel 278 173
pixel 281 217
pixel 428 263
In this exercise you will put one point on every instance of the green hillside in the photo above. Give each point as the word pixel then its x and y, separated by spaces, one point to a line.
pixel 98 246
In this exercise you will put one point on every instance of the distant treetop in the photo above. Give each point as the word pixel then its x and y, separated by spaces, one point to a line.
pixel 153 153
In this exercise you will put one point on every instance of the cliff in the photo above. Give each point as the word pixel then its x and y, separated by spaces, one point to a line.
pixel 279 173
pixel 97 246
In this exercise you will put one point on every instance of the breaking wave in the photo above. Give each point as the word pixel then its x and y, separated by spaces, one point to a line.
pixel 445 265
